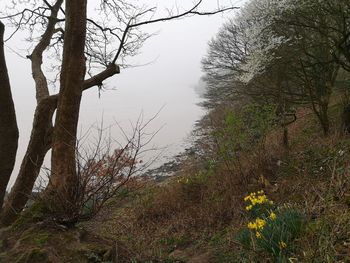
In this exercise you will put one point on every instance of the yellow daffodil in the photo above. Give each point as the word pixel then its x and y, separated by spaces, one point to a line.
pixel 258 224
pixel 257 198
pixel 258 235
pixel 249 207
pixel 273 216
pixel 251 225
pixel 282 244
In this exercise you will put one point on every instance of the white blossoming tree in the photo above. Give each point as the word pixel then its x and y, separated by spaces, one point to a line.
pixel 293 50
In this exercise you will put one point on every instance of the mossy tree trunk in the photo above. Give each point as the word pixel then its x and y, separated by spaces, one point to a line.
pixel 39 144
pixel 8 123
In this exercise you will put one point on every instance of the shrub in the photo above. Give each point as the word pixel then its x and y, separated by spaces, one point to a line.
pixel 243 130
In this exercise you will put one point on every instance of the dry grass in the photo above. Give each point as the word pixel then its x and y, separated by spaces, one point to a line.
pixel 200 210
pixel 193 210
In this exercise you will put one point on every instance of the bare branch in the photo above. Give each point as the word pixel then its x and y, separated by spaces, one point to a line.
pixel 190 12
pixel 36 57
pixel 97 80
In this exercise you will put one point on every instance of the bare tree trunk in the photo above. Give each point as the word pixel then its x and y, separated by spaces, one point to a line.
pixel 8 123
pixel 321 111
pixel 39 144
pixel 324 119
pixel 41 135
pixel 63 182
pixel 285 138
pixel 323 115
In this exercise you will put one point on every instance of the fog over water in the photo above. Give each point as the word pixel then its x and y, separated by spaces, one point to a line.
pixel 168 81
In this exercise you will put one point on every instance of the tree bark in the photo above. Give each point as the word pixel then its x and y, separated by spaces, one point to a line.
pixel 36 57
pixel 41 133
pixel 63 182
pixel 8 123
pixel 324 119
pixel 285 138
pixel 39 144
pixel 323 113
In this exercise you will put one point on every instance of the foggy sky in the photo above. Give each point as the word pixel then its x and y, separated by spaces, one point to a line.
pixel 169 81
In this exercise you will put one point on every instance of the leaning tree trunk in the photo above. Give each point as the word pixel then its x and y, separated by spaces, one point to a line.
pixel 62 189
pixel 39 144
pixel 41 135
pixel 8 123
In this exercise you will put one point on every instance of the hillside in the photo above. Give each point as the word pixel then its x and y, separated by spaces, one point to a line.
pixel 265 177
pixel 198 215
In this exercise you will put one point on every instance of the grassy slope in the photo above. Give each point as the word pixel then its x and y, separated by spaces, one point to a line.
pixel 195 216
